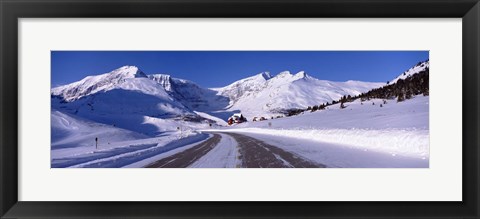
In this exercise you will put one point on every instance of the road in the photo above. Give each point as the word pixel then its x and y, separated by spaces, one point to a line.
pixel 253 154
pixel 187 157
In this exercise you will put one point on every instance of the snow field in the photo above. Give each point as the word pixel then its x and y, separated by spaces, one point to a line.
pixel 139 119
pixel 341 156
pixel 216 119
pixel 129 155
pixel 394 142
pixel 396 128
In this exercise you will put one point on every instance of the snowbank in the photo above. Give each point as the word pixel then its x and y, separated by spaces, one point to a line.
pixel 412 143
pixel 397 128
pixel 128 154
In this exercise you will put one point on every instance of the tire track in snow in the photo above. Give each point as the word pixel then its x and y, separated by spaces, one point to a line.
pixel 224 155
pixel 187 157
pixel 258 154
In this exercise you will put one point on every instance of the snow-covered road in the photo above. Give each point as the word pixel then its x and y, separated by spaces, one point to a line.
pixel 234 150
pixel 238 149
pixel 128 154
pixel 258 154
pixel 187 157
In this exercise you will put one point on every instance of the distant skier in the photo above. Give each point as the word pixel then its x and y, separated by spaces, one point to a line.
pixel 96 143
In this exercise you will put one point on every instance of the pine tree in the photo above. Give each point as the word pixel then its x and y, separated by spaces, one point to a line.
pixel 425 92
pixel 408 95
pixel 400 97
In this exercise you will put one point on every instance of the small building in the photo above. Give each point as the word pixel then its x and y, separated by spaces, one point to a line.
pixel 236 118
pixel 256 119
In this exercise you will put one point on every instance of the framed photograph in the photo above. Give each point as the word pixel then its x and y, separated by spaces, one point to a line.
pixel 128 118
pixel 239 109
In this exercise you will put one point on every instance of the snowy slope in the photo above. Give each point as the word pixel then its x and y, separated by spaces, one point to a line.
pixel 244 87
pixel 413 70
pixel 190 94
pixel 125 98
pixel 73 143
pixel 97 83
pixel 395 128
pixel 130 99
pixel 73 135
pixel 138 117
pixel 263 95
pixel 71 131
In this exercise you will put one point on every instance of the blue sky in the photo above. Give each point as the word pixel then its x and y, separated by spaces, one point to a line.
pixel 220 68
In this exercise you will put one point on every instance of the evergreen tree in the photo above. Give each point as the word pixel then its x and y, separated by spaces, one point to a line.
pixel 400 97
pixel 408 94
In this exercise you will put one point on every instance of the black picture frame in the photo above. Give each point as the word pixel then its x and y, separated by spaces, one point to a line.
pixel 12 10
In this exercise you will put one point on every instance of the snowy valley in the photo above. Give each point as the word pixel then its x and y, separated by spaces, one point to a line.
pixel 128 118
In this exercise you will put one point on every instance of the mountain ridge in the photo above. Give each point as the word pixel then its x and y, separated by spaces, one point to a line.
pixel 260 94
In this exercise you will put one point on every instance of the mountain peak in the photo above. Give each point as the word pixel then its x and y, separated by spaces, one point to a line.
pixel 258 78
pixel 95 83
pixel 283 74
pixel 128 71
pixel 162 79
pixel 266 75
pixel 129 67
pixel 420 66
pixel 301 74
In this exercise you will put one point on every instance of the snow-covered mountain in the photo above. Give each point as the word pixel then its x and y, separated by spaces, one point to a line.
pixel 124 90
pixel 97 83
pixel 413 70
pixel 124 98
pixel 190 94
pixel 126 118
pixel 264 94
pixel 244 87
pixel 108 97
